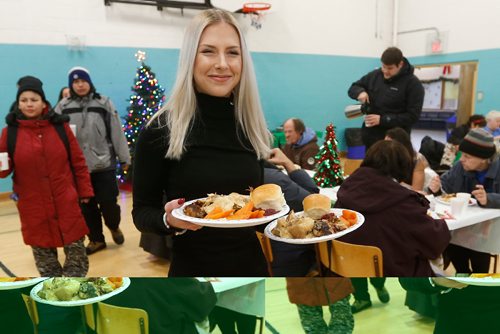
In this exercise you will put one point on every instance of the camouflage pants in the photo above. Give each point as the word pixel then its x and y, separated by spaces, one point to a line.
pixel 75 265
pixel 341 319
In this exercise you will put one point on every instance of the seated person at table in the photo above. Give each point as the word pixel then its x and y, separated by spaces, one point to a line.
pixel 478 173
pixel 493 123
pixel 173 305
pixel 396 218
pixel 290 260
pixel 457 135
pixel 417 178
pixel 301 146
pixel 461 308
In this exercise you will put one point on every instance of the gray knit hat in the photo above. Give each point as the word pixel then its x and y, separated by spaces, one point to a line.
pixel 478 143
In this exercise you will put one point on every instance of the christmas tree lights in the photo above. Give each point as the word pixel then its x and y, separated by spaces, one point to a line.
pixel 147 98
pixel 329 172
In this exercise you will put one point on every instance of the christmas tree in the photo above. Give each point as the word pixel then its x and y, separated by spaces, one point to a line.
pixel 329 172
pixel 147 98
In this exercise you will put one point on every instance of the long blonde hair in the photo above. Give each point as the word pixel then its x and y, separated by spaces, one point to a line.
pixel 180 108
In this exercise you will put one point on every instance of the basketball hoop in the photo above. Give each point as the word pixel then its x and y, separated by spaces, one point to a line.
pixel 256 11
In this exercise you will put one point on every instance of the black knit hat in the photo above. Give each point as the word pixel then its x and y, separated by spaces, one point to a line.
pixel 478 143
pixel 26 79
pixel 31 84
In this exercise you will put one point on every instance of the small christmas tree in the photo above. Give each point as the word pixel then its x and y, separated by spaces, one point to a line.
pixel 329 172
pixel 147 98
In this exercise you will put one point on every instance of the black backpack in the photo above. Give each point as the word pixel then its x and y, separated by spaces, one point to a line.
pixel 12 138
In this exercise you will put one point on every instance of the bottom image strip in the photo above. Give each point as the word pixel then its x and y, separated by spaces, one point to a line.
pixel 310 305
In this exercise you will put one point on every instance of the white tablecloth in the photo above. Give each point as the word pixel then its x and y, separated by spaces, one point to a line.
pixel 241 294
pixel 477 228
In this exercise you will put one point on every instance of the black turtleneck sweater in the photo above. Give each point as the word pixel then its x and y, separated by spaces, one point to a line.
pixel 216 160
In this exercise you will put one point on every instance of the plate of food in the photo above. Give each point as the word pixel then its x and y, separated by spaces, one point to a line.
pixel 8 283
pixel 317 223
pixel 264 204
pixel 446 199
pixel 479 279
pixel 77 291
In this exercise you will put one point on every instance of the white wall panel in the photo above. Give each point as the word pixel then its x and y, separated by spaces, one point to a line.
pixel 471 25
pixel 356 27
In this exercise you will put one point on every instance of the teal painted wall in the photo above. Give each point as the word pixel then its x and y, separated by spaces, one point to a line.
pixel 311 87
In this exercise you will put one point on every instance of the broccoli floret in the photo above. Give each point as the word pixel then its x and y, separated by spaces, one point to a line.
pixel 87 290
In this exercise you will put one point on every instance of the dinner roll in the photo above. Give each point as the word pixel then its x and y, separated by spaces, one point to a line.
pixel 268 196
pixel 316 205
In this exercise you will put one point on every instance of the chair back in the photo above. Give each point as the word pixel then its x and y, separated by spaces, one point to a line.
pixel 90 311
pixel 265 243
pixel 121 320
pixel 32 311
pixel 350 260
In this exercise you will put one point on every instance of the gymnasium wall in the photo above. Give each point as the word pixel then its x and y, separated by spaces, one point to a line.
pixel 306 54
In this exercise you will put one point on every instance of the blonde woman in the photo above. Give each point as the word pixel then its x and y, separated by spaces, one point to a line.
pixel 210 137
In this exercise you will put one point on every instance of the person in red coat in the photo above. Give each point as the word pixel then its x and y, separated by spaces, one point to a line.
pixel 50 182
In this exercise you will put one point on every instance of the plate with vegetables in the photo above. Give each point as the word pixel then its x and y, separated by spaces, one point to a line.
pixel 264 204
pixel 77 291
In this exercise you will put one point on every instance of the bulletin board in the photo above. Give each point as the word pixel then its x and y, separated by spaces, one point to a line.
pixel 433 95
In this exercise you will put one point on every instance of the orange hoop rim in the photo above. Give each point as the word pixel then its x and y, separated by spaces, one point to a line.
pixel 253 7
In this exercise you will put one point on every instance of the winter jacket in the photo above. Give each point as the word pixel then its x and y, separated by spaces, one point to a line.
pixel 98 130
pixel 396 221
pixel 303 152
pixel 398 100
pixel 317 291
pixel 458 180
pixel 49 188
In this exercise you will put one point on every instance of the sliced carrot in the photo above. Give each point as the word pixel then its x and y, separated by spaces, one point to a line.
pixel 220 215
pixel 116 282
pixel 240 216
pixel 347 214
pixel 215 210
pixel 246 209
pixel 350 216
pixel 257 214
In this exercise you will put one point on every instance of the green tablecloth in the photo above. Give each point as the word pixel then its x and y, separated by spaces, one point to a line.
pixel 172 304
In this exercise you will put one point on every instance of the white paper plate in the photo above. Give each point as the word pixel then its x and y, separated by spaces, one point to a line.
pixel 225 223
pixel 338 212
pixel 21 284
pixel 472 201
pixel 39 286
pixel 481 281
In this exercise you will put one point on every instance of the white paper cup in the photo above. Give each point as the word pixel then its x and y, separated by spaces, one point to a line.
pixel 465 196
pixel 4 160
pixel 73 128
pixel 458 205
pixel 368 126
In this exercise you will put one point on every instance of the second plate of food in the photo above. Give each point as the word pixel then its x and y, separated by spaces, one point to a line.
pixel 324 231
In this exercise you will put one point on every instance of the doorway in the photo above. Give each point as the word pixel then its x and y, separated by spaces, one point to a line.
pixel 449 88
pixel 449 99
